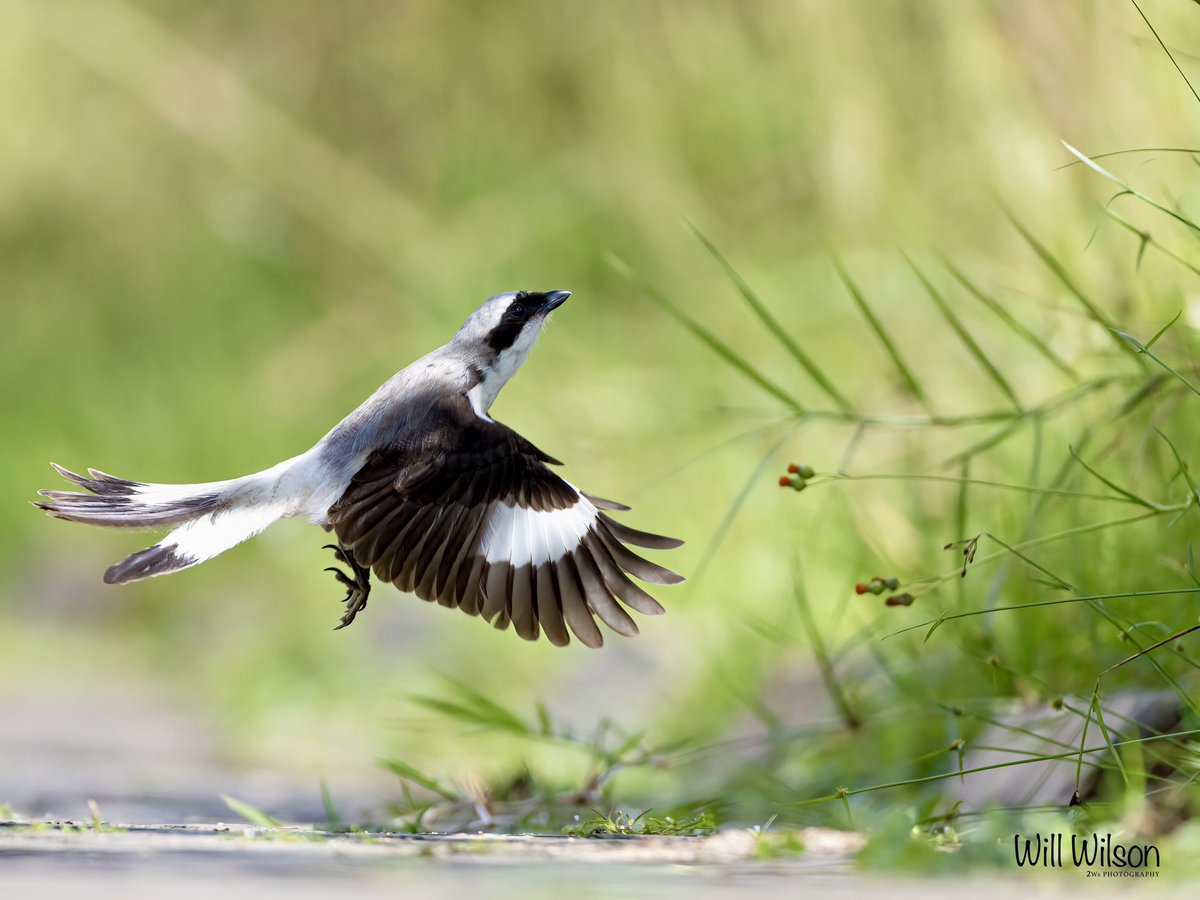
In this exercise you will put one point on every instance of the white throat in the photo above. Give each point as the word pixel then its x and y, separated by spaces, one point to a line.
pixel 495 376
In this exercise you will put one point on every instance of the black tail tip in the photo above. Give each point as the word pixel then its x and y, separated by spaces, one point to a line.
pixel 156 560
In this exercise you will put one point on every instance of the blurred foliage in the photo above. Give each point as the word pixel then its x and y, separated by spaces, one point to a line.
pixel 223 224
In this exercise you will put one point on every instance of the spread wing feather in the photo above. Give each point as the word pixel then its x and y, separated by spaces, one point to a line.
pixel 473 517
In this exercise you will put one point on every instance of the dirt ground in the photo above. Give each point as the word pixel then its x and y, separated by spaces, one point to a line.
pixel 244 859
pixel 153 769
pixel 207 861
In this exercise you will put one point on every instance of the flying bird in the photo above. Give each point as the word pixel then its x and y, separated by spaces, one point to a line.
pixel 422 487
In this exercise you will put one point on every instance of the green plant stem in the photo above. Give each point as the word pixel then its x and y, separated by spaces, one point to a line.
pixel 1165 592
pixel 929 779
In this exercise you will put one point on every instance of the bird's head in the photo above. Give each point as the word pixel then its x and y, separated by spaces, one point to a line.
pixel 498 336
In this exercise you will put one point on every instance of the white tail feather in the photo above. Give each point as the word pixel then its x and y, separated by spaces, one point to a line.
pixel 195 541
pixel 210 518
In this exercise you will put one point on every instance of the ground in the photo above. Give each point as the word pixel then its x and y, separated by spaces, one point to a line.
pixel 156 780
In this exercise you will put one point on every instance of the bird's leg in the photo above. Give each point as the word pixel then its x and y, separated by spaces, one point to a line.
pixel 358 588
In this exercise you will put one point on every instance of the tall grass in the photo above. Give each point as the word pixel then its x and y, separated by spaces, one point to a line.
pixel 892 684
pixel 1056 595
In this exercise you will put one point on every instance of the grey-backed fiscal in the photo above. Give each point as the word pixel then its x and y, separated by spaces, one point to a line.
pixel 420 486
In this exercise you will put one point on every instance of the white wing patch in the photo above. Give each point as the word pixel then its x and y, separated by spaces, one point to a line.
pixel 522 536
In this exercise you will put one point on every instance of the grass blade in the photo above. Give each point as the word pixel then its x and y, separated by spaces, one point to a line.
pixel 824 664
pixel 706 337
pixel 860 301
pixel 986 443
pixel 1192 151
pixel 1039 604
pixel 251 814
pixel 1129 189
pixel 332 819
pixel 473 708
pixel 752 300
pixel 1165 50
pixel 1140 501
pixel 1060 272
pixel 1149 240
pixel 1146 239
pixel 1058 582
pixel 943 776
pixel 1012 322
pixel 407 772
pixel 743 494
pixel 1154 340
pixel 967 340
pixel 1183 470
pixel 1144 349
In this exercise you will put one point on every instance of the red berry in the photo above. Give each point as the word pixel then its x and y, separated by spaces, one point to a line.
pixel 794 469
pixel 860 588
pixel 785 481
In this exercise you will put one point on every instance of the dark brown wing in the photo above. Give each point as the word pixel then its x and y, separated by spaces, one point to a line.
pixel 472 517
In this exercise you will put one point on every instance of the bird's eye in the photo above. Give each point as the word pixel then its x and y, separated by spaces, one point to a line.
pixel 517 309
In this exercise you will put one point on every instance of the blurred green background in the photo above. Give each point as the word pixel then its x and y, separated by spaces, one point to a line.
pixel 223 224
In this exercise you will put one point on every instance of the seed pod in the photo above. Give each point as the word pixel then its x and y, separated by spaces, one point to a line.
pixel 805 471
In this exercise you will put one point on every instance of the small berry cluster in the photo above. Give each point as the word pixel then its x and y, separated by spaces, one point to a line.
pixel 878 585
pixel 797 477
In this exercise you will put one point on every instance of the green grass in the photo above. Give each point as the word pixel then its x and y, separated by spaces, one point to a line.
pixel 198 289
pixel 1126 452
pixel 619 823
pixel 1061 527
pixel 251 814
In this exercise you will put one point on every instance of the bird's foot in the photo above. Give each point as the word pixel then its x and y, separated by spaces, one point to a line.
pixel 358 588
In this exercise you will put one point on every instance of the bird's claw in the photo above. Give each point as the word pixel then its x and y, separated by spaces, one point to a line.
pixel 342 577
pixel 358 588
pixel 338 553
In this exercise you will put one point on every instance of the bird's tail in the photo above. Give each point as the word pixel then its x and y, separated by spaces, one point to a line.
pixel 208 518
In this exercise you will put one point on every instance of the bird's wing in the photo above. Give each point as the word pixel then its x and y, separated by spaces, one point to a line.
pixel 473 518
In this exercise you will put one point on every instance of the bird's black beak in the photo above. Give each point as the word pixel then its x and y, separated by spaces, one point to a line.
pixel 554 299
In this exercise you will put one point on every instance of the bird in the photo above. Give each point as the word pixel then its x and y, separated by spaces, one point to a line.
pixel 420 486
